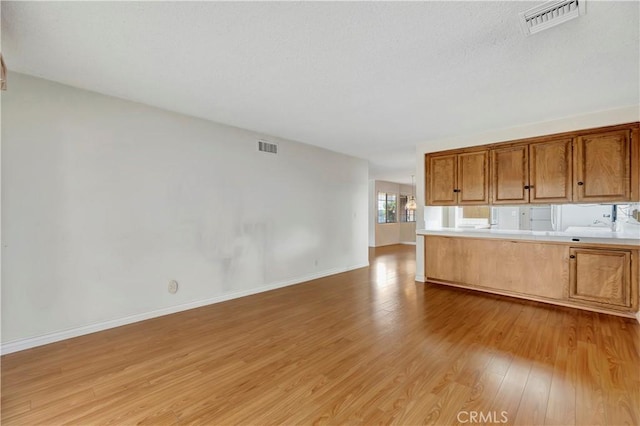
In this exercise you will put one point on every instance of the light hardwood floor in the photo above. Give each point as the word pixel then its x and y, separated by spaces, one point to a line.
pixel 369 346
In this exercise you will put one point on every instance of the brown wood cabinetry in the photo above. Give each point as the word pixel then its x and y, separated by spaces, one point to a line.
pixel 532 173
pixel 550 173
pixel 510 175
pixel 457 179
pixel 473 178
pixel 602 164
pixel 601 276
pixel 519 267
pixel 594 276
pixel 596 165
pixel 441 180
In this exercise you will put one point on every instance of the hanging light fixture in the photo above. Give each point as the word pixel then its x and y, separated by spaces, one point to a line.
pixel 411 204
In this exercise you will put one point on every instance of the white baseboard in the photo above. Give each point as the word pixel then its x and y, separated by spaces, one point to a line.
pixel 32 342
pixel 409 243
pixel 421 278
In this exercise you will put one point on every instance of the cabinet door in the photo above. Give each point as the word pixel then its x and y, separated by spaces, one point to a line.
pixel 441 180
pixel 550 176
pixel 510 175
pixel 601 276
pixel 473 178
pixel 602 166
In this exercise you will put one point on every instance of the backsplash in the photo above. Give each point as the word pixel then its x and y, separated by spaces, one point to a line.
pixel 536 217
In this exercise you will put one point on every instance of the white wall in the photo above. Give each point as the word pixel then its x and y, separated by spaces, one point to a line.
pixel 104 201
pixel 601 118
pixel 1 236
pixel 372 218
pixel 407 232
pixel 389 233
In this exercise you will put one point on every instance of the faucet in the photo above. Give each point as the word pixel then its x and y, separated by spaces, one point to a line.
pixel 612 222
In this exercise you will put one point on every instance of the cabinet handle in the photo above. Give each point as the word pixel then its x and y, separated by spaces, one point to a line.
pixel 580 183
pixel 573 256
pixel 527 187
pixel 456 190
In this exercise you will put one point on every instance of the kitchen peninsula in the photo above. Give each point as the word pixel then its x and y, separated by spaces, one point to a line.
pixel 595 269
pixel 597 272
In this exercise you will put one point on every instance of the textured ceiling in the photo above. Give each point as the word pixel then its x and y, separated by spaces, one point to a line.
pixel 370 79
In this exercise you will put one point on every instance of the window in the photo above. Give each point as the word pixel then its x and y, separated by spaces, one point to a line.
pixel 476 212
pixel 386 207
pixel 472 216
pixel 406 215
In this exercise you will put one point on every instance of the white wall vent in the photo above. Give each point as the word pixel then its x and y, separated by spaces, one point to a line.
pixel 269 147
pixel 550 14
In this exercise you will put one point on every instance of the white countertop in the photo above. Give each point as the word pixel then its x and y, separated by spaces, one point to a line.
pixel 597 236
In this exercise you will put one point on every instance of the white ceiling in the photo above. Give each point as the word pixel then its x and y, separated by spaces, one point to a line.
pixel 370 79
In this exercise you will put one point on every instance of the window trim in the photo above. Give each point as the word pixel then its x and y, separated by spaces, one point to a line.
pixel 408 214
pixel 386 210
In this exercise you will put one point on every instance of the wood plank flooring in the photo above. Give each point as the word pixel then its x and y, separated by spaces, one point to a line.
pixel 369 346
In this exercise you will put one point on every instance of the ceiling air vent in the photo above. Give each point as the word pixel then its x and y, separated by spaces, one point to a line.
pixel 550 14
pixel 269 147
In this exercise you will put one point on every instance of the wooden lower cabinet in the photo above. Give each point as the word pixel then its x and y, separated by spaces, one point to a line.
pixel 519 267
pixel 601 276
pixel 600 279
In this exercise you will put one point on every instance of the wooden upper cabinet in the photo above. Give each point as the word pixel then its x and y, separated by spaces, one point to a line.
pixel 457 179
pixel 510 174
pixel 441 180
pixel 595 165
pixel 602 167
pixel 473 178
pixel 600 276
pixel 550 177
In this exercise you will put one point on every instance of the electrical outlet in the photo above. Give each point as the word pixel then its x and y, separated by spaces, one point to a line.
pixel 173 286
